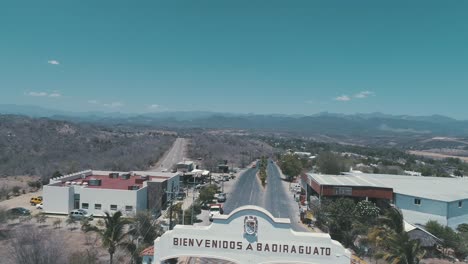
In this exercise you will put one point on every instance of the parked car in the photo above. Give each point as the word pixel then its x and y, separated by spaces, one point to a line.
pixel 40 206
pixel 36 200
pixel 19 211
pixel 80 214
pixel 221 198
pixel 215 209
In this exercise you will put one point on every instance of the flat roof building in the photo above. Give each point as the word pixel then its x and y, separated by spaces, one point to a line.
pixel 185 166
pixel 420 198
pixel 108 191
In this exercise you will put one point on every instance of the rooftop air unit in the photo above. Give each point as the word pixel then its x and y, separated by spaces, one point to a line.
pixel 125 176
pixel 133 187
pixel 113 175
pixel 94 182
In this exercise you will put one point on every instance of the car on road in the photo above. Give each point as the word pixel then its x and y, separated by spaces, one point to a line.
pixel 215 209
pixel 35 200
pixel 40 206
pixel 19 211
pixel 80 214
pixel 221 197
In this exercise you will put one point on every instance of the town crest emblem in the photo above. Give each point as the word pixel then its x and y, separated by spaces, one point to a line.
pixel 250 225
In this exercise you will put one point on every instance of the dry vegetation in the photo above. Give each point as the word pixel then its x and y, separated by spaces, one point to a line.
pixel 42 146
pixel 237 150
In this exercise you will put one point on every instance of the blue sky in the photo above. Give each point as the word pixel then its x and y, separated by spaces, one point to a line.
pixel 290 57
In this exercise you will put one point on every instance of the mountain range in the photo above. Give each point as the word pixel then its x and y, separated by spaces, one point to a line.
pixel 367 124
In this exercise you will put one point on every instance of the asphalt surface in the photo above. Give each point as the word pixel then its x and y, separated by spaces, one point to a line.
pixel 275 198
pixel 247 191
pixel 175 155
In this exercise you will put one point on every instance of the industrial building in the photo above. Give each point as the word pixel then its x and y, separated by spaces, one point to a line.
pixel 109 191
pixel 420 199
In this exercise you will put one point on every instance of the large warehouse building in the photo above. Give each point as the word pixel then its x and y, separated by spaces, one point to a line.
pixel 109 191
pixel 420 198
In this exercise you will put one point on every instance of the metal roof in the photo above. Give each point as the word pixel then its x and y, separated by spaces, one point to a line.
pixel 435 188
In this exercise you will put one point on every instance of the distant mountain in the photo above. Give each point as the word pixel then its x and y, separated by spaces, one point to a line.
pixel 363 125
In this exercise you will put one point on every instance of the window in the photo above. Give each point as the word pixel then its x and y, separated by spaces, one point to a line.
pixel 128 208
pixel 417 201
pixel 84 206
pixel 460 204
pixel 113 207
pixel 343 191
pixel 97 206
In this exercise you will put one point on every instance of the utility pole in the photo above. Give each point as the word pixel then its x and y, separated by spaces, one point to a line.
pixel 193 201
pixel 171 193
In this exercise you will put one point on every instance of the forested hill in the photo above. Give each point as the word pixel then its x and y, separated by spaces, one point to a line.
pixel 40 146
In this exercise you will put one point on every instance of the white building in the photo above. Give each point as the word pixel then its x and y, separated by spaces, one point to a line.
pixel 107 191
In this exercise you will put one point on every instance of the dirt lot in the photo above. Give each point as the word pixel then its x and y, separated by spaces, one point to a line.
pixel 436 155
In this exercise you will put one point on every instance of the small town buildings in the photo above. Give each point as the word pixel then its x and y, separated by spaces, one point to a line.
pixel 110 191
pixel 147 255
pixel 420 199
pixel 185 166
pixel 426 239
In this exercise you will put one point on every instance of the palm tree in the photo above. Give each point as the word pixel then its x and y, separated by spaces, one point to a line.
pixel 113 235
pixel 402 250
pixel 391 241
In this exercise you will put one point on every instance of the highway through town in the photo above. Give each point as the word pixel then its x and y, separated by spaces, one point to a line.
pixel 175 155
pixel 275 197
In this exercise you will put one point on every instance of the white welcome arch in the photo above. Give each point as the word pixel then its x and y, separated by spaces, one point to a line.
pixel 250 234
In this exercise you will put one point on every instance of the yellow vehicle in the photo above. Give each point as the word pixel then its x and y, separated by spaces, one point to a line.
pixel 36 200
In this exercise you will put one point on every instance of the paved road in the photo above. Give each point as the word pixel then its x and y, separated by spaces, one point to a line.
pixel 279 201
pixel 247 191
pixel 175 155
pixel 275 198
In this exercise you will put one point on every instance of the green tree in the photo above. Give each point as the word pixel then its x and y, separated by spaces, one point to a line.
pixel 339 216
pixel 366 212
pixel 330 163
pixel 291 165
pixel 462 228
pixel 207 193
pixel 450 239
pixel 113 235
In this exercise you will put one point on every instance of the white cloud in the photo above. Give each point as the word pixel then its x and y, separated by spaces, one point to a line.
pixel 343 98
pixel 44 94
pixel 37 94
pixel 93 101
pixel 55 94
pixel 154 106
pixel 113 105
pixel 363 94
pixel 53 62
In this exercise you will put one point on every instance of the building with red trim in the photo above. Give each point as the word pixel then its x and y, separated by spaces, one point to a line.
pixel 420 199
pixel 110 191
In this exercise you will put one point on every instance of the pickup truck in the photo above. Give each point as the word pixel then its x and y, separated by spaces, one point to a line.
pixel 215 209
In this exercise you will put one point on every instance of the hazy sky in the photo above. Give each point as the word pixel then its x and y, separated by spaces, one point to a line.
pixel 397 57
